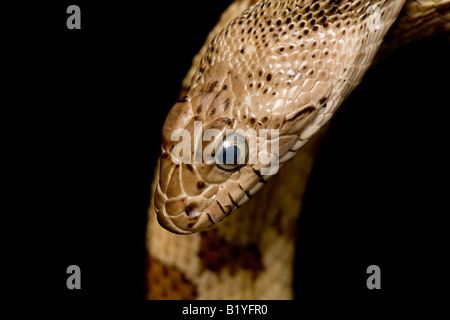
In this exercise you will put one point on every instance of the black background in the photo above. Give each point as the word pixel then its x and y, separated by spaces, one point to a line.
pixel 87 110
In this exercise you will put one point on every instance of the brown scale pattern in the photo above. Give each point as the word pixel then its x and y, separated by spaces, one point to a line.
pixel 167 283
pixel 216 253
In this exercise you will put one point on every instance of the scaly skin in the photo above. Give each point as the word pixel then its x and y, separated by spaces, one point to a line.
pixel 250 76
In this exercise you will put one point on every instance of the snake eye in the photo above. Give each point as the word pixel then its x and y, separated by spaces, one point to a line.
pixel 232 152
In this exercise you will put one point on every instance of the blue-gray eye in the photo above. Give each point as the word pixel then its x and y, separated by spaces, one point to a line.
pixel 232 152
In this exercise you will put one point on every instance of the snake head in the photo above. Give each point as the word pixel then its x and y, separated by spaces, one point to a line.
pixel 209 166
pixel 219 147
pixel 282 71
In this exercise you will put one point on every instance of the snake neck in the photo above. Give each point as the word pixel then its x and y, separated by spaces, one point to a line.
pixel 249 255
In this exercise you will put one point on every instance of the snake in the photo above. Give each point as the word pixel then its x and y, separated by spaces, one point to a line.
pixel 258 97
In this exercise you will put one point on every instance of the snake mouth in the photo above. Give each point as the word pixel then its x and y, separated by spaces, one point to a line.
pixel 167 223
pixel 185 222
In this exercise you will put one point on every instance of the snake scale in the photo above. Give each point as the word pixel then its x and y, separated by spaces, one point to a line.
pixel 274 65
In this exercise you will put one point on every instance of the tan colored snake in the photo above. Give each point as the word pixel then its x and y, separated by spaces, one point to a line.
pixel 274 65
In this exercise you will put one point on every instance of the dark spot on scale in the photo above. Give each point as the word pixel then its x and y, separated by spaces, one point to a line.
pixel 189 167
pixel 265 119
pixel 212 112
pixel 221 208
pixel 199 108
pixel 252 120
pixel 200 184
pixel 209 218
pixel 190 225
pixel 165 155
pixel 212 86
pixel 269 77
pixel 308 110
pixel 233 202
pixel 226 104
pixel 258 173
pixel 323 100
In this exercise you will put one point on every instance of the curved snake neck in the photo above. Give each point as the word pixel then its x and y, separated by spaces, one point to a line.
pixel 275 65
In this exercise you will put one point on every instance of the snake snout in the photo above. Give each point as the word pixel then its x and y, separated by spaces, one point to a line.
pixel 189 221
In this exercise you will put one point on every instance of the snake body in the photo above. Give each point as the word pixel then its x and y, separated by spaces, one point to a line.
pixel 274 65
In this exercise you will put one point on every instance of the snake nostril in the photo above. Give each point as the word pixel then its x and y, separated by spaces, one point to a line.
pixel 190 212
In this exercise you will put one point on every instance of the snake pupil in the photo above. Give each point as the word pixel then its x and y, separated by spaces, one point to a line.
pixel 230 155
pixel 232 152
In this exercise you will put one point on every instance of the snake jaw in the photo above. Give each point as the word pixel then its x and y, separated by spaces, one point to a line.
pixel 192 198
pixel 172 224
